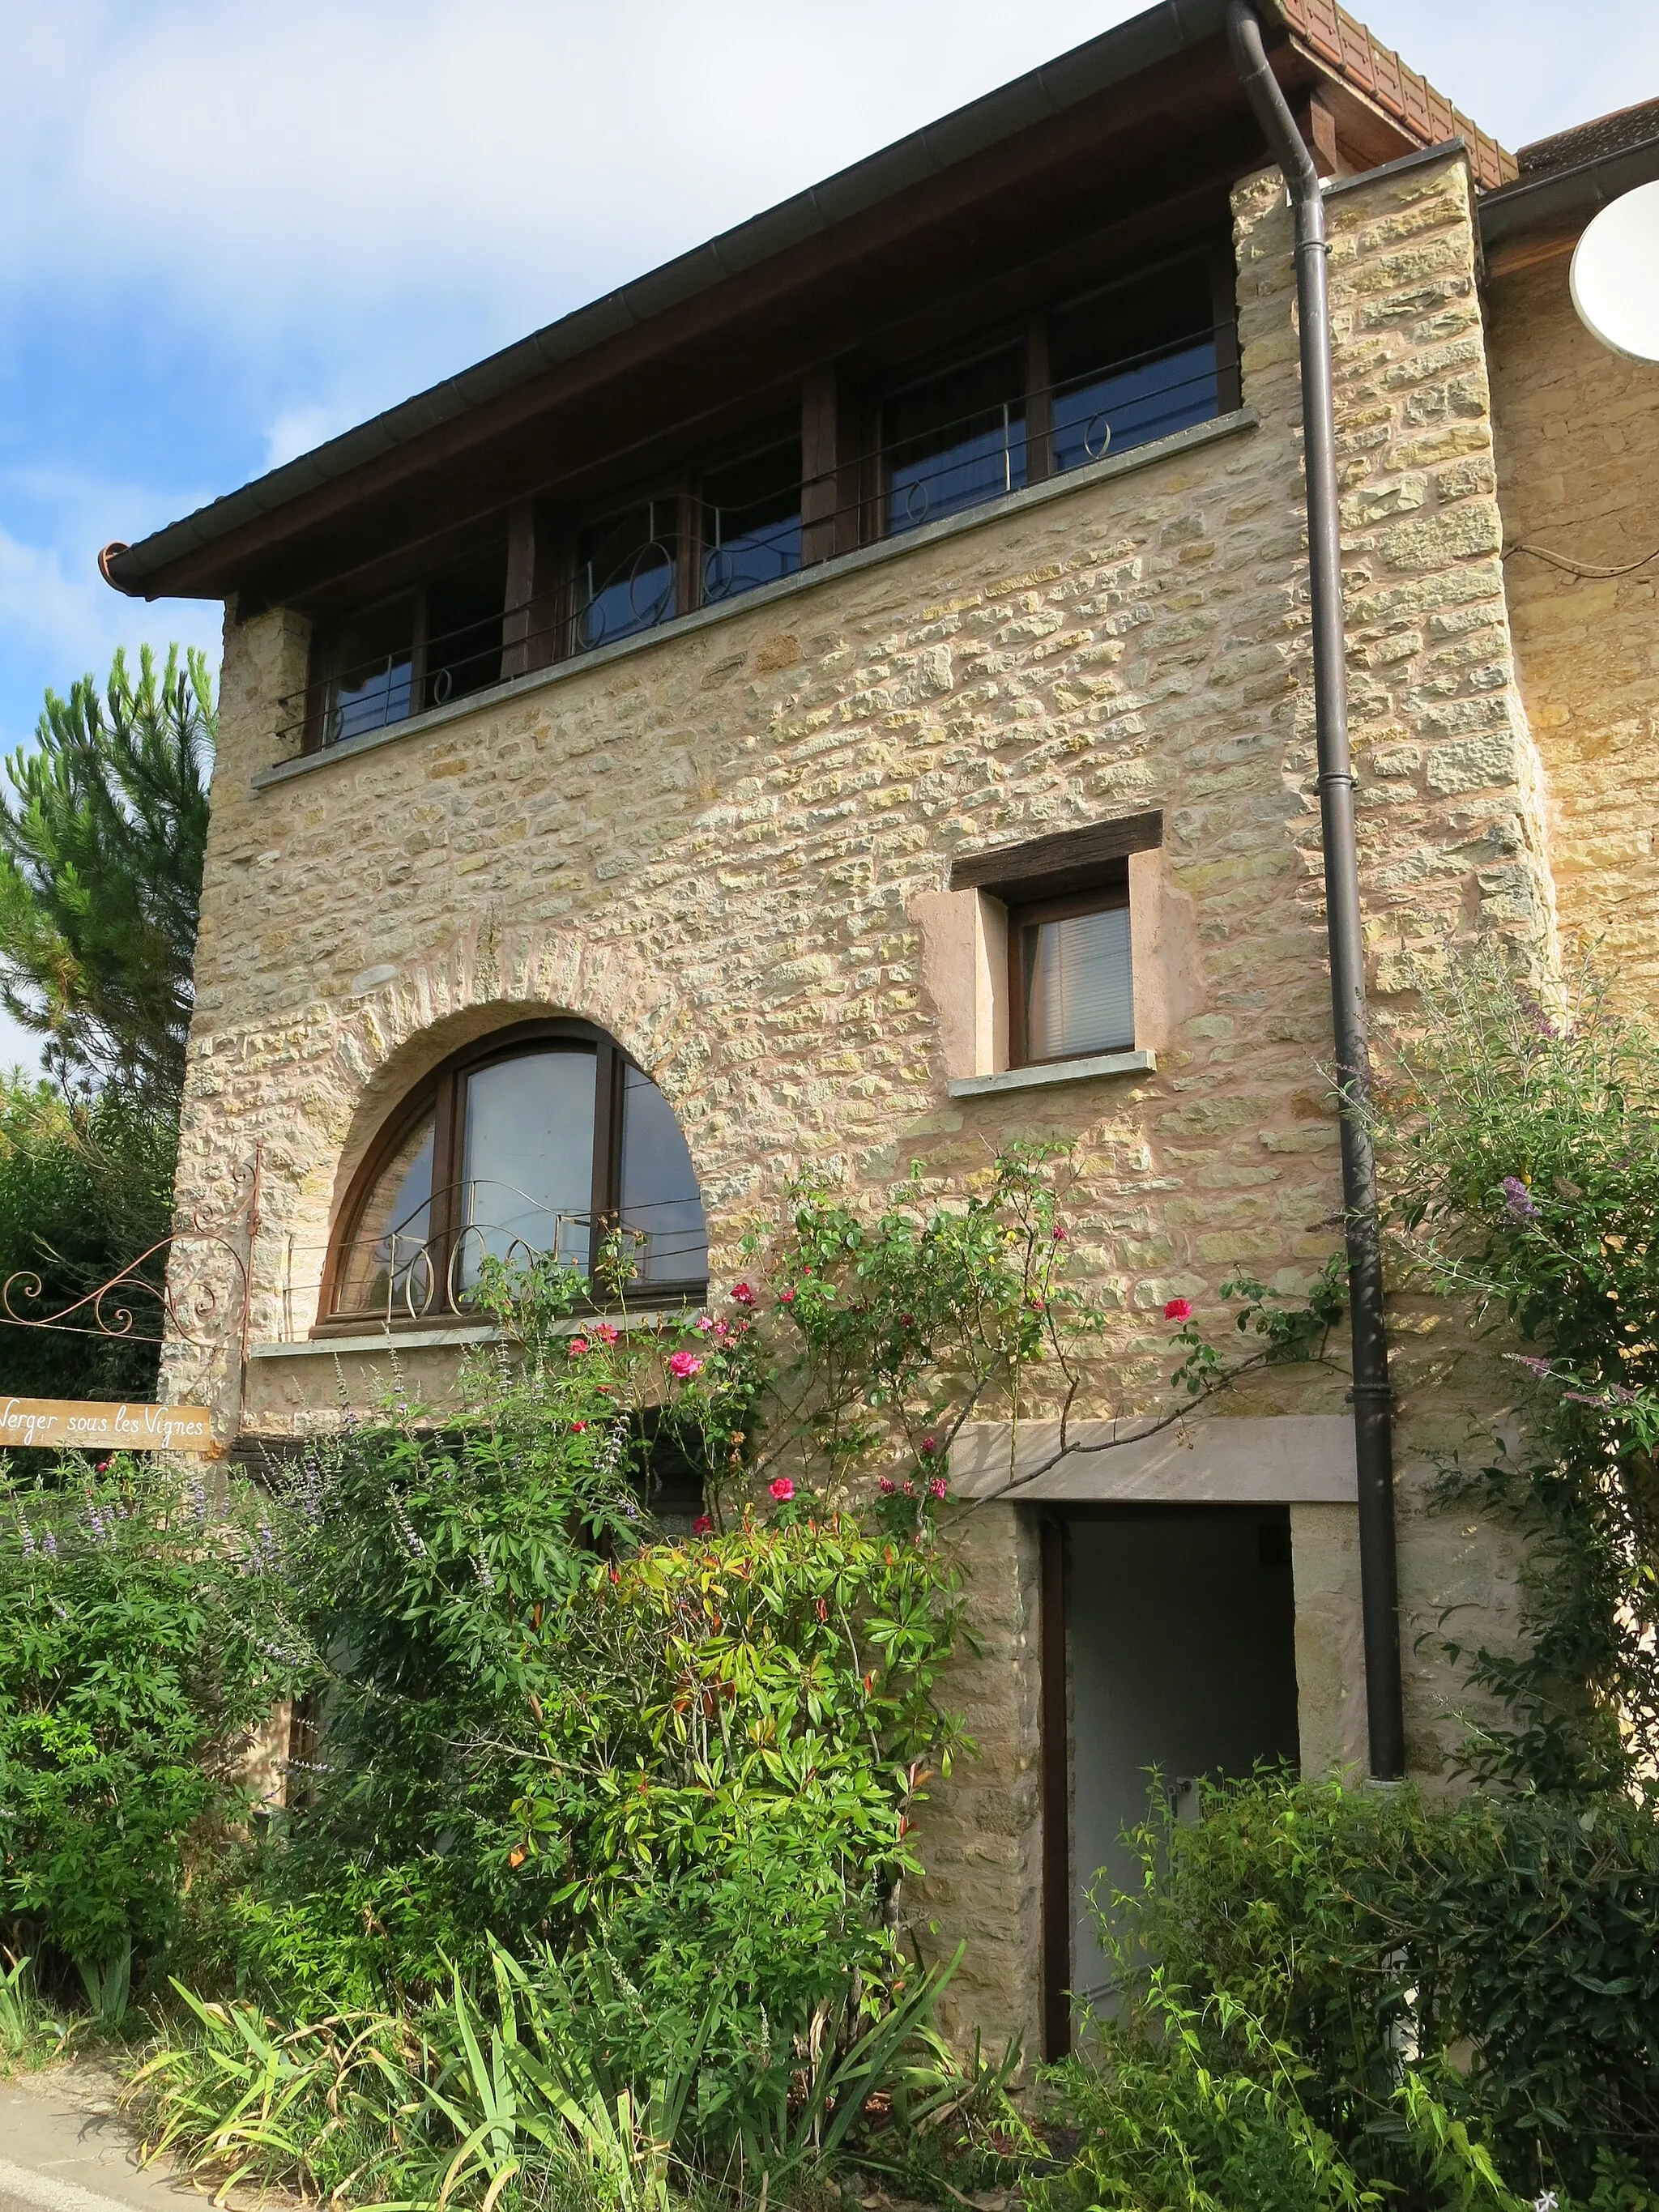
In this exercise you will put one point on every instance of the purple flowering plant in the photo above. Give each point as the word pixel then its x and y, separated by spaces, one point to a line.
pixel 1519 1144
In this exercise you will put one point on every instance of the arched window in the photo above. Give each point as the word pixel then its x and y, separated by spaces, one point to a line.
pixel 520 1145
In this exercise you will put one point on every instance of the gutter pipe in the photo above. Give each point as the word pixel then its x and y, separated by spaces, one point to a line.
pixel 1371 1398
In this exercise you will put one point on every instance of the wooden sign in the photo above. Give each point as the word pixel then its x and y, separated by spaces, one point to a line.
pixel 76 1425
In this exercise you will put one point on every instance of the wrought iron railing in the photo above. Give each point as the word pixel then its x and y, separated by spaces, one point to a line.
pixel 702 552
pixel 414 1272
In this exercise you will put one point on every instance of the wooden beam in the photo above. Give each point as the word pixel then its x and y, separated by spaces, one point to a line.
pixel 1317 125
pixel 820 453
pixel 1055 866
pixel 1511 255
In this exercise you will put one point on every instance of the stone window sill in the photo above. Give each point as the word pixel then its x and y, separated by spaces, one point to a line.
pixel 385 1339
pixel 1052 1073
pixel 443 1336
pixel 1179 442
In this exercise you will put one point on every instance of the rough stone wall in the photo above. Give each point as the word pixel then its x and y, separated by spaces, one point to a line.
pixel 1577 436
pixel 1451 801
pixel 713 845
pixel 978 1835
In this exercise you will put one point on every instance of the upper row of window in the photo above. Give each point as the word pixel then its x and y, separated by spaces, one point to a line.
pixel 1133 362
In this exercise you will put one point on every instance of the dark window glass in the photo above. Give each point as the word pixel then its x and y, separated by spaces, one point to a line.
pixel 527 1161
pixel 1072 976
pixel 464 634
pixel 660 1205
pixel 1133 362
pixel 625 568
pixel 751 521
pixel 371 672
pixel 502 1162
pixel 954 438
pixel 386 1267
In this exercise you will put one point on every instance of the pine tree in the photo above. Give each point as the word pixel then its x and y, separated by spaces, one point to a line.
pixel 101 838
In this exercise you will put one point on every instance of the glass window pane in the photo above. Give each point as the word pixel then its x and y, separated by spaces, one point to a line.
pixel 660 1202
pixel 373 661
pixel 751 521
pixel 463 633
pixel 386 1268
pixel 954 439
pixel 625 573
pixel 527 1174
pixel 1079 991
pixel 1133 363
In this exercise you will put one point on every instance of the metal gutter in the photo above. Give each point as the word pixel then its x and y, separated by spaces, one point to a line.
pixel 1373 1423
pixel 1042 94
pixel 1567 197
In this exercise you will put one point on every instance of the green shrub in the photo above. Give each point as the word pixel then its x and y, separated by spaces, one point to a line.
pixel 133 1626
pixel 1497 1955
pixel 1520 1142
pixel 86 1189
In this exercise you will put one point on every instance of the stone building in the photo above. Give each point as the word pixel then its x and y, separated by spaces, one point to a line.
pixel 846 698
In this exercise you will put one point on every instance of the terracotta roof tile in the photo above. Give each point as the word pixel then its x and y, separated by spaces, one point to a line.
pixel 1339 40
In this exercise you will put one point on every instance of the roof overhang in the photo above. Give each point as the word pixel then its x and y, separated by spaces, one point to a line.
pixel 215 551
pixel 1539 217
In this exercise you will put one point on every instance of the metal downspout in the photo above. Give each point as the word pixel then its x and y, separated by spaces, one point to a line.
pixel 1372 1405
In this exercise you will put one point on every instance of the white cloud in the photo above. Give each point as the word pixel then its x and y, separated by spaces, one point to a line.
pixel 357 195
pixel 253 161
pixel 58 619
pixel 39 601
pixel 256 160
pixel 20 1048
pixel 297 429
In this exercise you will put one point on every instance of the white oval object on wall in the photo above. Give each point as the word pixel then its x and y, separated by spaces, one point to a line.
pixel 1615 275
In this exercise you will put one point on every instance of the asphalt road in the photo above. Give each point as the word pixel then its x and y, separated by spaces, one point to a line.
pixel 64 2148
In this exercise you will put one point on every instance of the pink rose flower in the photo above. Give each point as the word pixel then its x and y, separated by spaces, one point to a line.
pixel 704 1324
pixel 684 1364
pixel 605 1333
pixel 937 1484
pixel 703 1526
pixel 930 1444
pixel 1178 1310
pixel 579 1344
pixel 743 1295
pixel 578 1426
pixel 888 1486
pixel 786 1297
pixel 781 1488
pixel 1060 1233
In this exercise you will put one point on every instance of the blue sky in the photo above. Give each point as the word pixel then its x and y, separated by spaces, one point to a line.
pixel 229 230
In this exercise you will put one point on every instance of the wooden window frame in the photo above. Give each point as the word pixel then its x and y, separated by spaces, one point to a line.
pixel 441 1092
pixel 844 493
pixel 324 669
pixel 1044 879
pixel 1111 897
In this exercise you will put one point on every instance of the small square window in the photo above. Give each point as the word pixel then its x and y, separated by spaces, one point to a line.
pixel 1071 980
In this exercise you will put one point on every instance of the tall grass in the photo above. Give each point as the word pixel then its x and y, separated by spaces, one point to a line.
pixel 510 2100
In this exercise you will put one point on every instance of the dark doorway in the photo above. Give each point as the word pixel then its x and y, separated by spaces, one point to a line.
pixel 1168 1641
